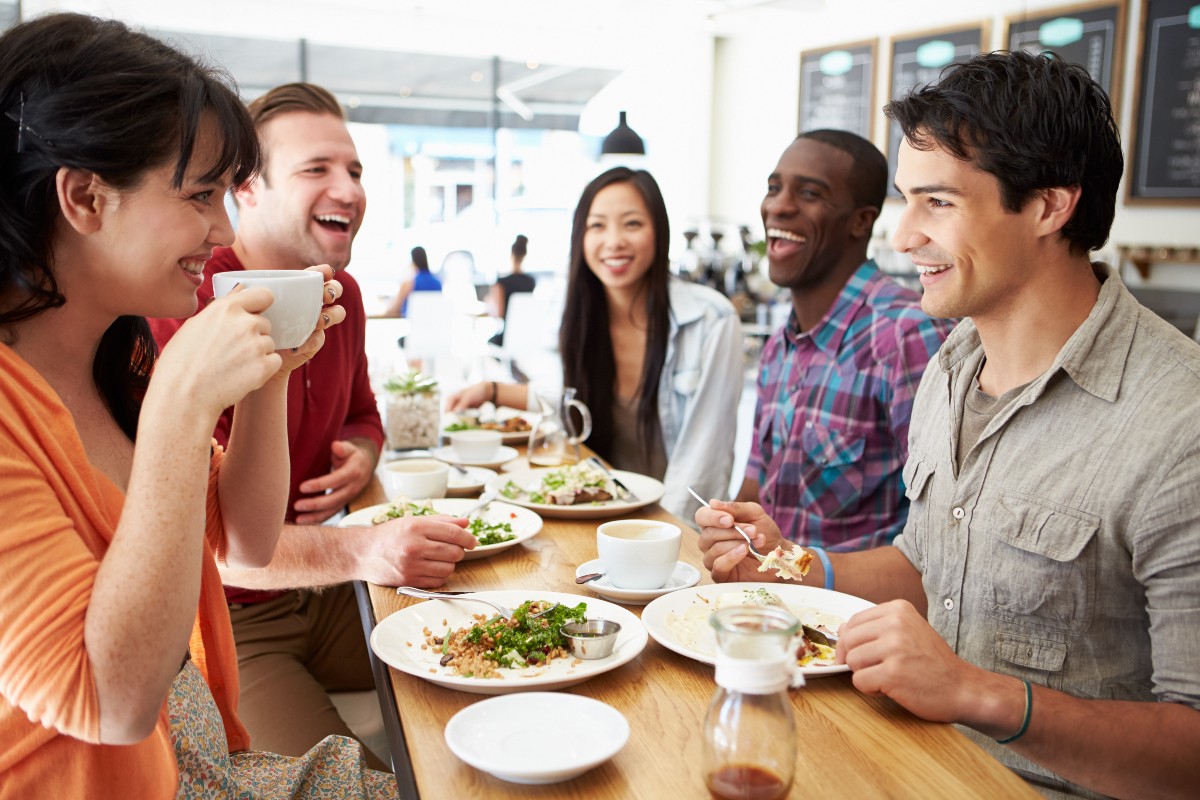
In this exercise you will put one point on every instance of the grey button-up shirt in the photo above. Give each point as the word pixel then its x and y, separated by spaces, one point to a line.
pixel 1066 551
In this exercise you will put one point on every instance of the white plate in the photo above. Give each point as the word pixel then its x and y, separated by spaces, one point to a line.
pixel 450 455
pixel 679 620
pixel 502 414
pixel 525 523
pixel 398 639
pixel 471 484
pixel 685 575
pixel 647 489
pixel 495 735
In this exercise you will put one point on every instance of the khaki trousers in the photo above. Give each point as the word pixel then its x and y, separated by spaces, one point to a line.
pixel 291 651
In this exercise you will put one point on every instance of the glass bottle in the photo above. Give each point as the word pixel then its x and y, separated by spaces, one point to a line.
pixel 749 732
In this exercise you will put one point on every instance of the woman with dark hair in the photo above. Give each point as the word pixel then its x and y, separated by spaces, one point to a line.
pixel 422 281
pixel 118 676
pixel 657 360
pixel 515 282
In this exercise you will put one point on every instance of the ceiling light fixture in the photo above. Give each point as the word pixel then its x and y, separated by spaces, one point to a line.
pixel 623 140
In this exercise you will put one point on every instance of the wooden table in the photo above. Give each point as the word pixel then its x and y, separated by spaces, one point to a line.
pixel 871 746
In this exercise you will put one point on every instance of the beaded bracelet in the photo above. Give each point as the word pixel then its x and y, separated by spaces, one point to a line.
pixel 1024 722
pixel 826 563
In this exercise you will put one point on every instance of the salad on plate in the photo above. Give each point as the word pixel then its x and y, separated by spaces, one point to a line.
pixel 576 484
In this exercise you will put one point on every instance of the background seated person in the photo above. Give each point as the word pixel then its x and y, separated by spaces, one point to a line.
pixel 657 360
pixel 422 281
pixel 508 285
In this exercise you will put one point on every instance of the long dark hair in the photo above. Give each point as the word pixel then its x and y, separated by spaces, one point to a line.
pixel 584 341
pixel 419 259
pixel 91 94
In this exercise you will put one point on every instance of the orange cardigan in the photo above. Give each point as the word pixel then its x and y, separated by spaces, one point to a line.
pixel 57 517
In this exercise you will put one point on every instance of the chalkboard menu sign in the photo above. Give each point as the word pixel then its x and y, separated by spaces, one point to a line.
pixel 837 88
pixel 1165 152
pixel 1088 35
pixel 919 59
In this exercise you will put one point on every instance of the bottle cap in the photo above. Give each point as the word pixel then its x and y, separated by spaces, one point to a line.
pixel 758 676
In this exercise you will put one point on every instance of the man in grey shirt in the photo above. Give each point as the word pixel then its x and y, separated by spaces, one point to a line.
pixel 1045 593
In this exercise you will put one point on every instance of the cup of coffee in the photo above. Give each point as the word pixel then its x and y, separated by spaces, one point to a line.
pixel 638 553
pixel 297 292
pixel 475 446
pixel 414 478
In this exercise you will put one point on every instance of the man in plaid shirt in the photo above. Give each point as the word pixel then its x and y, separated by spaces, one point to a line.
pixel 836 383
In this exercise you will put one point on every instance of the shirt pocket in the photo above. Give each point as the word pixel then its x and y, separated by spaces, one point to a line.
pixel 917 472
pixel 1033 658
pixel 833 467
pixel 1042 564
pixel 918 487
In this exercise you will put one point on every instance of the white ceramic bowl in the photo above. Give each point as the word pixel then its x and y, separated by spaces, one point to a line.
pixel 475 447
pixel 414 478
pixel 506 735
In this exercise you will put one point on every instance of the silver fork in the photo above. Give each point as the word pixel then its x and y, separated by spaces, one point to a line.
pixel 503 611
pixel 745 536
pixel 622 490
pixel 485 500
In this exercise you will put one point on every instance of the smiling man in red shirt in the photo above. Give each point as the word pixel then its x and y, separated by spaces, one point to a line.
pixel 294 644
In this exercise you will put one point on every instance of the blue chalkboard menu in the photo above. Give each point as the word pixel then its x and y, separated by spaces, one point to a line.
pixel 837 88
pixel 917 60
pixel 1088 35
pixel 1165 147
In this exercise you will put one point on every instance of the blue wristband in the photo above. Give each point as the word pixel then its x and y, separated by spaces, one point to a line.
pixel 821 554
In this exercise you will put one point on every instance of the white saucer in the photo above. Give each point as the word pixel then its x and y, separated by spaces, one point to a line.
pixel 469 485
pixel 448 453
pixel 685 575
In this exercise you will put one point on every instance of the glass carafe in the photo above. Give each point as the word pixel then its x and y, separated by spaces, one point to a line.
pixel 555 438
pixel 749 732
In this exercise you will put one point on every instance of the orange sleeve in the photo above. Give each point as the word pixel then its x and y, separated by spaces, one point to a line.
pixel 48 573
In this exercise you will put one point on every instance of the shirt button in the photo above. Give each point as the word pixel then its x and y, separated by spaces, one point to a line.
pixel 948 603
pixel 958 512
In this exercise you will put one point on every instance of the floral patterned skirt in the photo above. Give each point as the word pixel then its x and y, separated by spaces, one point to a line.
pixel 332 770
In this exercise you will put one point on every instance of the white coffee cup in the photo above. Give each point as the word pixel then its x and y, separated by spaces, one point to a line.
pixel 297 292
pixel 414 478
pixel 638 553
pixel 475 446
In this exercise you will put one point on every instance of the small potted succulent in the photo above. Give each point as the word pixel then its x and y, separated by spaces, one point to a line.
pixel 413 411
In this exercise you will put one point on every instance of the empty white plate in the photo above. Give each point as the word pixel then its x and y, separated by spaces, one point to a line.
pixel 505 736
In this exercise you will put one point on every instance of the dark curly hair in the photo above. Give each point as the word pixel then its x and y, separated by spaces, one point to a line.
pixel 1034 122
pixel 91 94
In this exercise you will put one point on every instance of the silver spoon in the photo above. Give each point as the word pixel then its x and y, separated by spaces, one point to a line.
pixel 745 536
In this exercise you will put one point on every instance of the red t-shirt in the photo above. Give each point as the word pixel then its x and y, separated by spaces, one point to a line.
pixel 329 398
